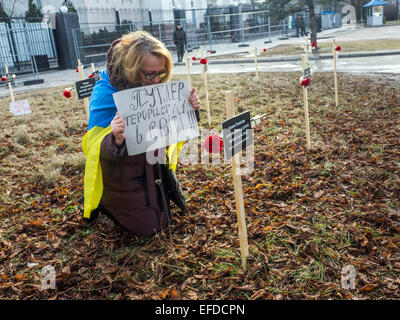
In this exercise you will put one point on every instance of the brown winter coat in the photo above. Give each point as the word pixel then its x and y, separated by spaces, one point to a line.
pixel 130 192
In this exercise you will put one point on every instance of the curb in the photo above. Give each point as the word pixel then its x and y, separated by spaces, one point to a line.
pixel 298 58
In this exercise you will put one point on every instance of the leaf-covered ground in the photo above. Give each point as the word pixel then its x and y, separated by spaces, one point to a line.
pixel 309 213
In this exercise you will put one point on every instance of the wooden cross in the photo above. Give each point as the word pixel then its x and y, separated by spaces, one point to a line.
pixel 335 72
pixel 237 183
pixel 82 77
pixel 204 74
pixel 305 97
pixel 9 83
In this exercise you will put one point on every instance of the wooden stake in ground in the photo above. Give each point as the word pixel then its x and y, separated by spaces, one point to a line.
pixel 255 60
pixel 305 97
pixel 9 84
pixel 204 74
pixel 335 73
pixel 237 183
pixel 306 50
pixel 92 65
pixel 188 69
pixel 82 77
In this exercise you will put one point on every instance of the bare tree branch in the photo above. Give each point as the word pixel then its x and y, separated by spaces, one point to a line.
pixel 11 13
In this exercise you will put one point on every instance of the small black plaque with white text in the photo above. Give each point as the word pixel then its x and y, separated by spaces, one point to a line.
pixel 85 87
pixel 237 134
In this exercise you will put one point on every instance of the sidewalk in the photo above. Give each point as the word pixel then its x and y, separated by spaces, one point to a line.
pixel 68 77
pixel 283 58
pixel 233 48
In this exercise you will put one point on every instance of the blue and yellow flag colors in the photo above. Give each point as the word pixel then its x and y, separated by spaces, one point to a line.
pixel 102 110
pixel 102 107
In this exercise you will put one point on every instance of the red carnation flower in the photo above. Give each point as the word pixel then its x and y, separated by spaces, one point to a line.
pixel 67 94
pixel 306 82
pixel 213 144
pixel 313 44
pixel 91 76
pixel 4 79
pixel 77 69
pixel 338 48
pixel 194 58
pixel 265 50
pixel 203 61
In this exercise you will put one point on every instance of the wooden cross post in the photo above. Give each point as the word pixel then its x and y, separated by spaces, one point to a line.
pixel 79 64
pixel 82 77
pixel 335 73
pixel 92 65
pixel 306 50
pixel 9 84
pixel 188 69
pixel 204 74
pixel 305 96
pixel 237 183
pixel 255 60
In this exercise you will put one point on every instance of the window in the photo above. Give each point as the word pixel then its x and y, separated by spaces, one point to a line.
pixel 378 11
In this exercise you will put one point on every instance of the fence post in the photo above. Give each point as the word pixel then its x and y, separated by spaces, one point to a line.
pixel 76 45
pixel 13 45
pixel 29 47
pixel 151 22
pixel 241 26
pixel 159 31
pixel 269 29
pixel 242 29
pixel 284 28
pixel 209 32
pixel 284 36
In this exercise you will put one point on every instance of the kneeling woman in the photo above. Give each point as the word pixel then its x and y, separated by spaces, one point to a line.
pixel 124 187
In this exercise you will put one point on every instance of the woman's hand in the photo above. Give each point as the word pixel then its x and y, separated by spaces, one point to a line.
pixel 118 129
pixel 194 100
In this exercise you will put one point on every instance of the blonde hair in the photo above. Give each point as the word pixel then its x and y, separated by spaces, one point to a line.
pixel 128 54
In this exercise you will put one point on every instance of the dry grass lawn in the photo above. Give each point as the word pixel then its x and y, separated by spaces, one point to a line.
pixel 308 213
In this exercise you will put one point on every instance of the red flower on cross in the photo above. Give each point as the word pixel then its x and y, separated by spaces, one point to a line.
pixel 305 82
pixel 338 48
pixel 91 76
pixel 4 79
pixel 313 44
pixel 213 144
pixel 67 94
pixel 203 61
pixel 265 50
pixel 194 59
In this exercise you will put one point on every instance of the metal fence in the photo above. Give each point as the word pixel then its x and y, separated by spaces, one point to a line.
pixel 92 42
pixel 218 29
pixel 27 47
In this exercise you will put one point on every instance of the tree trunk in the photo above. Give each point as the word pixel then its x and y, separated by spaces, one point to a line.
pixel 359 9
pixel 313 25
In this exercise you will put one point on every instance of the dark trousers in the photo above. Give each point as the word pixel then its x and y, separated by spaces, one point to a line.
pixel 180 47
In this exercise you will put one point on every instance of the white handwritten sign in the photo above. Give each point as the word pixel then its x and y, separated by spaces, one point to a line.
pixel 156 116
pixel 18 108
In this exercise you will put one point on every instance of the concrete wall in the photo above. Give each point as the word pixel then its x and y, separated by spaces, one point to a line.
pixel 64 40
